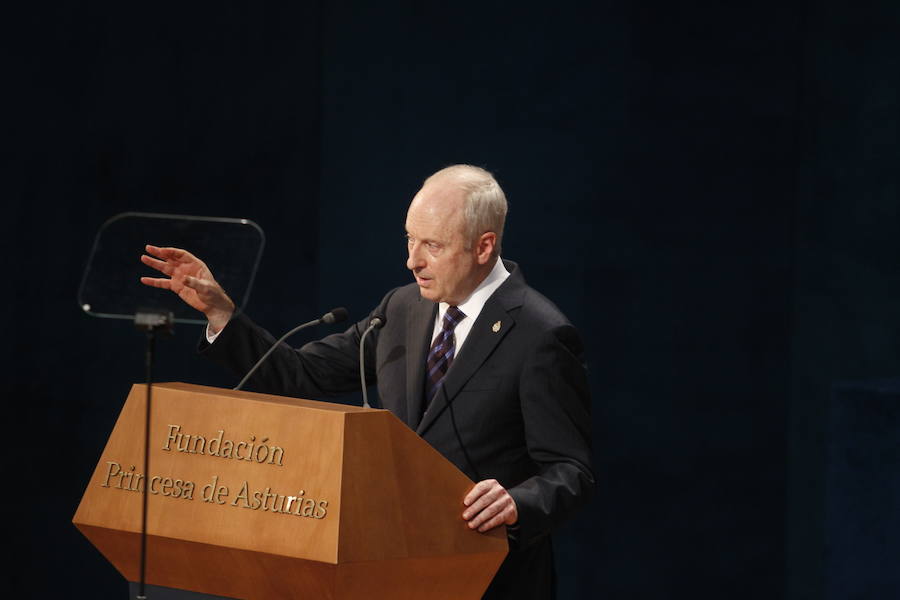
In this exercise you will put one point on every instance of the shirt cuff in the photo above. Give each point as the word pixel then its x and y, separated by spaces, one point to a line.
pixel 210 336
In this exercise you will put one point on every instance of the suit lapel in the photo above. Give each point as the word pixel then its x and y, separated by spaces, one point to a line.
pixel 483 338
pixel 419 327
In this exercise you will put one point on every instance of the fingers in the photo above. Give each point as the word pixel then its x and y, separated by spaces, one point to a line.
pixel 170 261
pixel 156 282
pixel 190 278
pixel 210 291
pixel 487 524
pixel 479 490
pixel 212 295
pixel 160 265
pixel 171 254
pixel 489 505
pixel 484 505
pixel 166 253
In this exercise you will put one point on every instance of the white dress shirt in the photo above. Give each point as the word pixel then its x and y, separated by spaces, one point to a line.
pixel 471 306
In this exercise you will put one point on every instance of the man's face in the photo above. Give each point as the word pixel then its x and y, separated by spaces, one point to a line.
pixel 444 270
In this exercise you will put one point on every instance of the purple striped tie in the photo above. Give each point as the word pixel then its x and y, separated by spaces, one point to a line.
pixel 441 354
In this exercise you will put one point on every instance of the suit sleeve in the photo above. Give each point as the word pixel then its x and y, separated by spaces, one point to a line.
pixel 555 405
pixel 318 369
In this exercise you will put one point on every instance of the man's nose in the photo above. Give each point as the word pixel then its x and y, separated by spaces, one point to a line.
pixel 415 260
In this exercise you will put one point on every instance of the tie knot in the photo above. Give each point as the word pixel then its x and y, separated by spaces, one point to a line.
pixel 452 318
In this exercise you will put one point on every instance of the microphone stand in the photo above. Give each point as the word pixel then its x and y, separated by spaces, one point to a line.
pixel 377 322
pixel 335 315
pixel 149 321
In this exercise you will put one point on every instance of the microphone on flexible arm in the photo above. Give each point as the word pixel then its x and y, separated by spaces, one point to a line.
pixel 335 315
pixel 376 322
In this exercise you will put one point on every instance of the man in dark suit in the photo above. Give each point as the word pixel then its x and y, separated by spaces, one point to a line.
pixel 479 364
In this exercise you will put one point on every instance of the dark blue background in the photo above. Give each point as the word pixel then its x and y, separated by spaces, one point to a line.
pixel 708 190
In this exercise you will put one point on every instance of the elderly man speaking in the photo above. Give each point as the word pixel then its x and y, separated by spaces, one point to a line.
pixel 480 365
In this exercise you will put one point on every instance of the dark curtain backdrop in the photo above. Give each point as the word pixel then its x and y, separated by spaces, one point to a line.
pixel 709 191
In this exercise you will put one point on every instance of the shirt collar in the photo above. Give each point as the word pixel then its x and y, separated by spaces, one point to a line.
pixel 472 305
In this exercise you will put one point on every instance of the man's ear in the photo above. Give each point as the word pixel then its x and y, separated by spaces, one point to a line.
pixel 484 247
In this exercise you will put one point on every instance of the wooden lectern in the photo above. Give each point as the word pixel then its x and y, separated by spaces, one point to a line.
pixel 259 497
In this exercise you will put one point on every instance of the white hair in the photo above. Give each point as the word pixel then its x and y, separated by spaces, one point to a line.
pixel 485 203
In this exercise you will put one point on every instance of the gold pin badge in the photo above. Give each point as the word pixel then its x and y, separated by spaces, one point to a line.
pixel 496 327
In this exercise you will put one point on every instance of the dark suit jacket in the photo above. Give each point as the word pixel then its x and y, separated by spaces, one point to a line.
pixel 515 404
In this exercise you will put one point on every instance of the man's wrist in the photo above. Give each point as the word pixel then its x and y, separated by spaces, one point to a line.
pixel 215 324
pixel 218 320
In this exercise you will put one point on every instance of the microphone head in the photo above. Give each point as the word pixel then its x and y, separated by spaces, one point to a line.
pixel 335 315
pixel 377 321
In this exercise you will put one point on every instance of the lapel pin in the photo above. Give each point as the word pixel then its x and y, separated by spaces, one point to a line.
pixel 496 327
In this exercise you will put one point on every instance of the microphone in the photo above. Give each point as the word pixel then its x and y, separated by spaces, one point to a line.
pixel 335 315
pixel 376 322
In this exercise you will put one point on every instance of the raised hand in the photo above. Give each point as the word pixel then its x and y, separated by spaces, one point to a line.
pixel 191 279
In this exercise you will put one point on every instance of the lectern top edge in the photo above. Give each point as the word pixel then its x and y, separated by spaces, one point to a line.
pixel 256 396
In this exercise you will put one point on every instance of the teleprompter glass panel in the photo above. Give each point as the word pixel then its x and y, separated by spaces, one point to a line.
pixel 111 287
